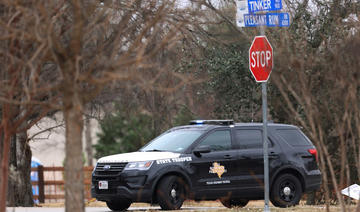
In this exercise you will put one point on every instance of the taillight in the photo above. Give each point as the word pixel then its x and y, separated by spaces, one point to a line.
pixel 313 152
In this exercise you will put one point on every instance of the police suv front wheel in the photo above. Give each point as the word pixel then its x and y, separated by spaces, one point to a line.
pixel 231 203
pixel 119 205
pixel 171 193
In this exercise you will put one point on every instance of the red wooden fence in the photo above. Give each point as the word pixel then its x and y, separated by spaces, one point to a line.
pixel 58 192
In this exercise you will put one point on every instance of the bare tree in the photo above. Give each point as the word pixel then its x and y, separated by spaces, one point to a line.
pixel 318 80
pixel 22 96
pixel 84 46
pixel 16 120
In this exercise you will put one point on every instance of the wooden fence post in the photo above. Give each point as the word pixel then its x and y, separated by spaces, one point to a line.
pixel 41 183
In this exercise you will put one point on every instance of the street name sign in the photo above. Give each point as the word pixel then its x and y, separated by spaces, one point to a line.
pixel 247 13
pixel 241 10
pixel 261 58
pixel 264 5
pixel 268 19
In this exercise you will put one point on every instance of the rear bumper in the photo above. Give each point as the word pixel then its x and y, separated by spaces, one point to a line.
pixel 313 181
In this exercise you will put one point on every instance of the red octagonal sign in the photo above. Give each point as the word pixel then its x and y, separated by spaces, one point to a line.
pixel 261 58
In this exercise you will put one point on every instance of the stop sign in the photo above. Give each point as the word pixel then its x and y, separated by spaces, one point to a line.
pixel 260 58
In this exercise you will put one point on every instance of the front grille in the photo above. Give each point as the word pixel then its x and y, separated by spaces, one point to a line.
pixel 109 168
pixel 108 172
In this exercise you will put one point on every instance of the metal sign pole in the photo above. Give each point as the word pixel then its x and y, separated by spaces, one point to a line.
pixel 265 147
pixel 247 16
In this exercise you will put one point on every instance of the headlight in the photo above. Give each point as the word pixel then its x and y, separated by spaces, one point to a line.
pixel 143 165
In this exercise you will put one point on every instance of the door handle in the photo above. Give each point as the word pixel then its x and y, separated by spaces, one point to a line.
pixel 273 155
pixel 227 156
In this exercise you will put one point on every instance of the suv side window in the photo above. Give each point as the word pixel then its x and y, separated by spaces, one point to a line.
pixel 293 137
pixel 218 141
pixel 249 139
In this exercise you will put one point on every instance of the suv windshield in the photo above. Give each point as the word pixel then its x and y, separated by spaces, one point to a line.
pixel 173 141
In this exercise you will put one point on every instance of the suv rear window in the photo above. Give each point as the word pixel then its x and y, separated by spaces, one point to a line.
pixel 293 137
pixel 250 139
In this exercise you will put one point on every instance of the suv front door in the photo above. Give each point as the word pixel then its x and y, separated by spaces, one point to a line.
pixel 215 172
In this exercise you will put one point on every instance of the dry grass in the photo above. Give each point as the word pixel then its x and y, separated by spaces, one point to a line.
pixel 254 206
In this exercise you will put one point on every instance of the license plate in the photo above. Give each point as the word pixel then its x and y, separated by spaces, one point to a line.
pixel 103 185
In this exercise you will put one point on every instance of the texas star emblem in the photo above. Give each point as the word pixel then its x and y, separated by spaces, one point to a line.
pixel 217 169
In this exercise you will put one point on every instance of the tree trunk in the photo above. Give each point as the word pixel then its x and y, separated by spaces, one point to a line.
pixel 19 187
pixel 4 172
pixel 5 156
pixel 74 177
pixel 1 157
pixel 12 173
pixel 89 151
pixel 70 65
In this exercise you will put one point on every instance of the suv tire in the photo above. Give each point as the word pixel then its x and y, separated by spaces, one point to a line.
pixel 171 193
pixel 119 205
pixel 231 203
pixel 286 191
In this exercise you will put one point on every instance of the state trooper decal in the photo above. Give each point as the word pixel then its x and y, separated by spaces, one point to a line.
pixel 174 160
pixel 217 169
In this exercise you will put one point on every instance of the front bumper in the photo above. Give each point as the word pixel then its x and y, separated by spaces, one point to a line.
pixel 122 192
pixel 132 186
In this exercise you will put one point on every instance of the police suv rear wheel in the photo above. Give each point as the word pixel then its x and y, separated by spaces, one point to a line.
pixel 231 203
pixel 119 205
pixel 171 193
pixel 286 191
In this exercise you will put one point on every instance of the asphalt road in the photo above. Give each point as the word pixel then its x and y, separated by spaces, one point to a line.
pixel 104 209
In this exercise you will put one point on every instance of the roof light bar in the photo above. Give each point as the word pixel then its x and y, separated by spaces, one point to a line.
pixel 215 122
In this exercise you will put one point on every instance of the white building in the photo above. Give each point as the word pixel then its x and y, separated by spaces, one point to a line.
pixel 48 139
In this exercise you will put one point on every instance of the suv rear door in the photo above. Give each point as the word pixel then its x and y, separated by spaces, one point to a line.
pixel 251 160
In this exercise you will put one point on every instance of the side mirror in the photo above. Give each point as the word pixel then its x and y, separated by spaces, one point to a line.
pixel 201 150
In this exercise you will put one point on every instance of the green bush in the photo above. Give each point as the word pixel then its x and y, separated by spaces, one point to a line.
pixel 123 132
pixel 183 117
